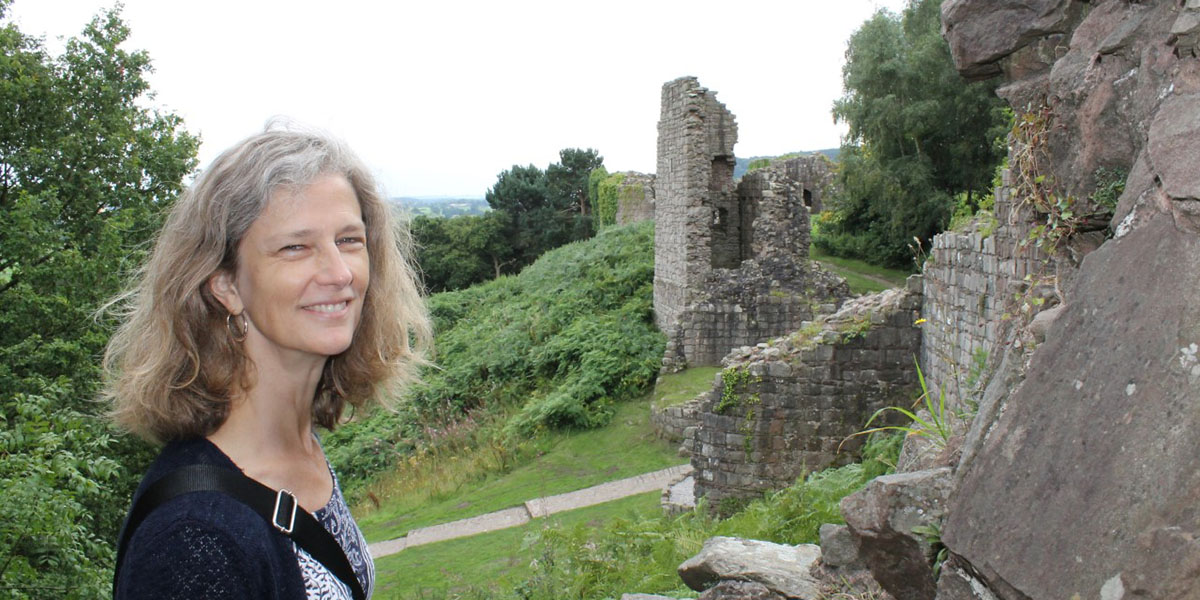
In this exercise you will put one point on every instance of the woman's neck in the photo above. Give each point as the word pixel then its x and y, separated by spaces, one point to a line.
pixel 269 433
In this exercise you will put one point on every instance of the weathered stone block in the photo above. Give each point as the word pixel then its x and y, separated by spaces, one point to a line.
pixel 782 569
pixel 838 547
pixel 882 516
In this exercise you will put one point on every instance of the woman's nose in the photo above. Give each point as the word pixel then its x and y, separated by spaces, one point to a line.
pixel 334 269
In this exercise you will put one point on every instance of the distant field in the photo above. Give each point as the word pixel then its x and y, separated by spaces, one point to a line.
pixel 863 278
pixel 443 207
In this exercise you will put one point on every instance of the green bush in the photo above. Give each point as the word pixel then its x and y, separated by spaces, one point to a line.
pixel 605 195
pixel 557 345
pixel 55 471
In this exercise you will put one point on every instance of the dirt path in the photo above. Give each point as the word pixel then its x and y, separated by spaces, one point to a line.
pixel 532 509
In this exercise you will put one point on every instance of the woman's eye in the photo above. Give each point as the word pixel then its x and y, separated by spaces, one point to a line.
pixel 292 248
pixel 351 240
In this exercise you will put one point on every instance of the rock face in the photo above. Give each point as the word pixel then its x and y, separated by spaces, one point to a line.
pixel 779 569
pixel 838 548
pixel 981 32
pixel 734 589
pixel 1094 456
pixel 1085 483
pixel 882 517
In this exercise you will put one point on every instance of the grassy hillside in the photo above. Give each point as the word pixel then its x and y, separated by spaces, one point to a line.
pixel 563 462
pixel 492 563
pixel 555 347
pixel 623 546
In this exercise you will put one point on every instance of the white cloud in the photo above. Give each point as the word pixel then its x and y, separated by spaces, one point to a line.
pixel 440 97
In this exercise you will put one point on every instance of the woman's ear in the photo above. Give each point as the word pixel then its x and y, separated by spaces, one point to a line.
pixel 222 286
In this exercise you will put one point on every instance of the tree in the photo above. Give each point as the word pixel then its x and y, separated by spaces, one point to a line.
pixel 919 136
pixel 458 252
pixel 545 209
pixel 85 173
pixel 567 180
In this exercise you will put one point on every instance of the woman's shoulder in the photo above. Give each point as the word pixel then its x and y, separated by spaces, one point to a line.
pixel 213 513
pixel 182 453
pixel 204 544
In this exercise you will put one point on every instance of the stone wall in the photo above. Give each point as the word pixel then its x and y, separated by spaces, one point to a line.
pixel 978 284
pixel 696 135
pixel 815 175
pixel 678 422
pixel 731 264
pixel 635 198
pixel 781 409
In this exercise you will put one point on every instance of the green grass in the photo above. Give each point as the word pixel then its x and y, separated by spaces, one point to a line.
pixel 570 461
pixel 492 560
pixel 863 278
pixel 622 546
pixel 641 555
pixel 677 388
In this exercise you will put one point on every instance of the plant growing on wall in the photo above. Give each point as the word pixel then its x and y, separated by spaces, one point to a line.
pixel 604 191
pixel 936 428
pixel 1058 214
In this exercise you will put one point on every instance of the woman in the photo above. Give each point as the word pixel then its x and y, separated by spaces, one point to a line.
pixel 276 294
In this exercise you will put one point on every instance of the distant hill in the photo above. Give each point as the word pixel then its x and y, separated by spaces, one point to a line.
pixel 443 206
pixel 742 164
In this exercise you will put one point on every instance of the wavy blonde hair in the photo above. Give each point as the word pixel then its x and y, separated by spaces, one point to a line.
pixel 172 368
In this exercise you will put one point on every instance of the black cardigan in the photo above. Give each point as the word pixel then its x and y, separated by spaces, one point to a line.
pixel 205 544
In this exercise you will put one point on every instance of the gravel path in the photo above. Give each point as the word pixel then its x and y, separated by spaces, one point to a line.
pixel 532 509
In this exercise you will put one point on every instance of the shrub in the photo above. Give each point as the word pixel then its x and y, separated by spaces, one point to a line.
pixel 557 344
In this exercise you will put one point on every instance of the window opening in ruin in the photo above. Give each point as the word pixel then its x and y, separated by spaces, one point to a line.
pixel 726 230
pixel 807 198
pixel 720 220
pixel 748 208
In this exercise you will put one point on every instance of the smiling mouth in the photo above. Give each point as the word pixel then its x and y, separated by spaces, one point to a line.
pixel 327 308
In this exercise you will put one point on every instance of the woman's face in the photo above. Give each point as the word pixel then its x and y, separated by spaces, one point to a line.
pixel 303 271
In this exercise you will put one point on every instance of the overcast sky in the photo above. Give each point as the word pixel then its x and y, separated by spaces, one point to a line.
pixel 440 97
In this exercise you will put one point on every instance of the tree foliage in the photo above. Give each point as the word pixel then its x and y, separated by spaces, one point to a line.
pixel 85 171
pixel 604 191
pixel 567 179
pixel 455 253
pixel 919 136
pixel 546 209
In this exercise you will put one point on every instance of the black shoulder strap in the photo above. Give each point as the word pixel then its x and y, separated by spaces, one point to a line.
pixel 280 509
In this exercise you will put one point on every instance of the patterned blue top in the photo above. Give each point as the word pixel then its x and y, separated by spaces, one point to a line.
pixel 319 582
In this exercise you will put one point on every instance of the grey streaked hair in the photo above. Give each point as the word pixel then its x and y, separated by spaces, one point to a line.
pixel 172 369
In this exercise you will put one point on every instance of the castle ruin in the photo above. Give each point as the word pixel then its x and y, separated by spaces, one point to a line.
pixel 731 262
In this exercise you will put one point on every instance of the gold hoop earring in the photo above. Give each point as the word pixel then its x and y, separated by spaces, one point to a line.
pixel 237 331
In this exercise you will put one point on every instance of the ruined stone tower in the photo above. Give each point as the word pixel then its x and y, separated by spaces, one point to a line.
pixel 693 185
pixel 723 276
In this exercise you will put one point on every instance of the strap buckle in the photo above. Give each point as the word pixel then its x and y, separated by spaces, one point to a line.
pixel 289 510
